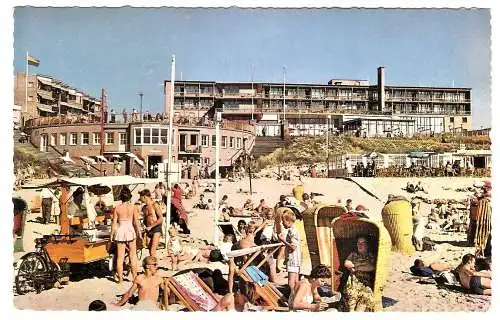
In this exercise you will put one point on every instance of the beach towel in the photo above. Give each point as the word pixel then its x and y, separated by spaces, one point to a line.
pixel 256 275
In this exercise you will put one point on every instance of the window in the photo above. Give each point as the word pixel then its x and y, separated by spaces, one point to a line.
pixel 464 119
pixel 31 84
pixel 151 135
pixel 231 142
pixel 204 140
pixel 214 140
pixel 30 98
pixel 74 139
pixel 238 143
pixel 155 135
pixel 53 138
pixel 193 139
pixel 452 119
pixel 224 141
pixel 164 136
pixel 85 138
pixel 62 139
pixel 138 135
pixel 146 135
pixel 110 137
pixel 97 138
pixel 123 138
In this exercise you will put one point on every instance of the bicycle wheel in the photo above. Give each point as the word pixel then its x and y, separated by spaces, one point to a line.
pixel 33 266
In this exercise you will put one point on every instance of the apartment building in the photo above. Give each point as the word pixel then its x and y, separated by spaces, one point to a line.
pixel 353 105
pixel 47 96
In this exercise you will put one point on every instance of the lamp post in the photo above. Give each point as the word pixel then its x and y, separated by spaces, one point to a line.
pixel 140 95
pixel 328 117
pixel 218 117
pixel 246 158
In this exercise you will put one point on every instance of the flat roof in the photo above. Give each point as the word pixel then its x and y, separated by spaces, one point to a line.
pixel 326 85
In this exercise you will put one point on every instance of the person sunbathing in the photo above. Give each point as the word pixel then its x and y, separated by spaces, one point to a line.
pixel 306 296
pixel 243 299
pixel 240 229
pixel 419 268
pixel 248 205
pixel 201 204
pixel 204 254
pixel 477 281
pixel 262 205
pixel 148 285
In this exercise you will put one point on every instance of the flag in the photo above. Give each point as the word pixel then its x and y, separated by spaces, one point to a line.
pixel 33 61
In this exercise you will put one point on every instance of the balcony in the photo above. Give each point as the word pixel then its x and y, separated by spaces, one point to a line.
pixel 189 149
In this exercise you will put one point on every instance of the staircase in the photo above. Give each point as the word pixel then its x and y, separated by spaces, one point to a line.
pixel 266 145
pixel 45 159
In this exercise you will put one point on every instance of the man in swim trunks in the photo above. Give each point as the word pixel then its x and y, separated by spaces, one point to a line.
pixel 477 281
pixel 149 285
pixel 153 219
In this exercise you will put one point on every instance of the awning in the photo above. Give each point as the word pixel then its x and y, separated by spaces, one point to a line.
pixel 45 108
pixel 418 154
pixel 44 81
pixel 87 159
pixel 93 181
pixel 101 158
pixel 45 95
pixel 133 156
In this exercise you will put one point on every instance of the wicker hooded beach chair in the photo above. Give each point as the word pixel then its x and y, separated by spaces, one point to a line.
pixel 317 225
pixel 346 231
pixel 397 217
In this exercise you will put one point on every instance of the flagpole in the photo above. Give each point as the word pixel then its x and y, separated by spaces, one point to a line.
pixel 170 134
pixel 26 85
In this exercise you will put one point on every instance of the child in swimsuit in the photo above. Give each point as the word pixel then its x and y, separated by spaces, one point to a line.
pixel 174 248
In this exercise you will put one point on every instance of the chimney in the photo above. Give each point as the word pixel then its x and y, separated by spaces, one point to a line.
pixel 381 88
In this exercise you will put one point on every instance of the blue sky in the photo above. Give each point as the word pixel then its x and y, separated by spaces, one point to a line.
pixel 127 50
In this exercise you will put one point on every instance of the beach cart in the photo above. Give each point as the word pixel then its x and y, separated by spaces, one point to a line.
pixel 346 229
pixel 318 231
pixel 55 253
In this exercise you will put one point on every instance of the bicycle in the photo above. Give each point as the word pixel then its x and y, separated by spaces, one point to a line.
pixel 37 272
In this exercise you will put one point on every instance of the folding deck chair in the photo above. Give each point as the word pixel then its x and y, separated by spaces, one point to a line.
pixel 273 298
pixel 192 292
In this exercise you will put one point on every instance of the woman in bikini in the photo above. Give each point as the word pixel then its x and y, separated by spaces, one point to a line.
pixel 124 230
pixel 306 296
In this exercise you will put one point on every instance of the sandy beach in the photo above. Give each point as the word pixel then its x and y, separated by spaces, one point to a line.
pixel 403 292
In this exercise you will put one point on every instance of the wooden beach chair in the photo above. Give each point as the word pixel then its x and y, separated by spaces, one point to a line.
pixel 480 225
pixel 192 292
pixel 36 204
pixel 345 232
pixel 317 225
pixel 273 299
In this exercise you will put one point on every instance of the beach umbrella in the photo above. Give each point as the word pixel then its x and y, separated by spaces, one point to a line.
pixel 99 190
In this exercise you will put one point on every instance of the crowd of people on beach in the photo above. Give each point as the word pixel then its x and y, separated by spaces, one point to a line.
pixel 141 225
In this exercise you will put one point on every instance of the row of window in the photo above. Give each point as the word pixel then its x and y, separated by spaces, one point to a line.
pixel 158 136
pixel 226 142
pixel 85 138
